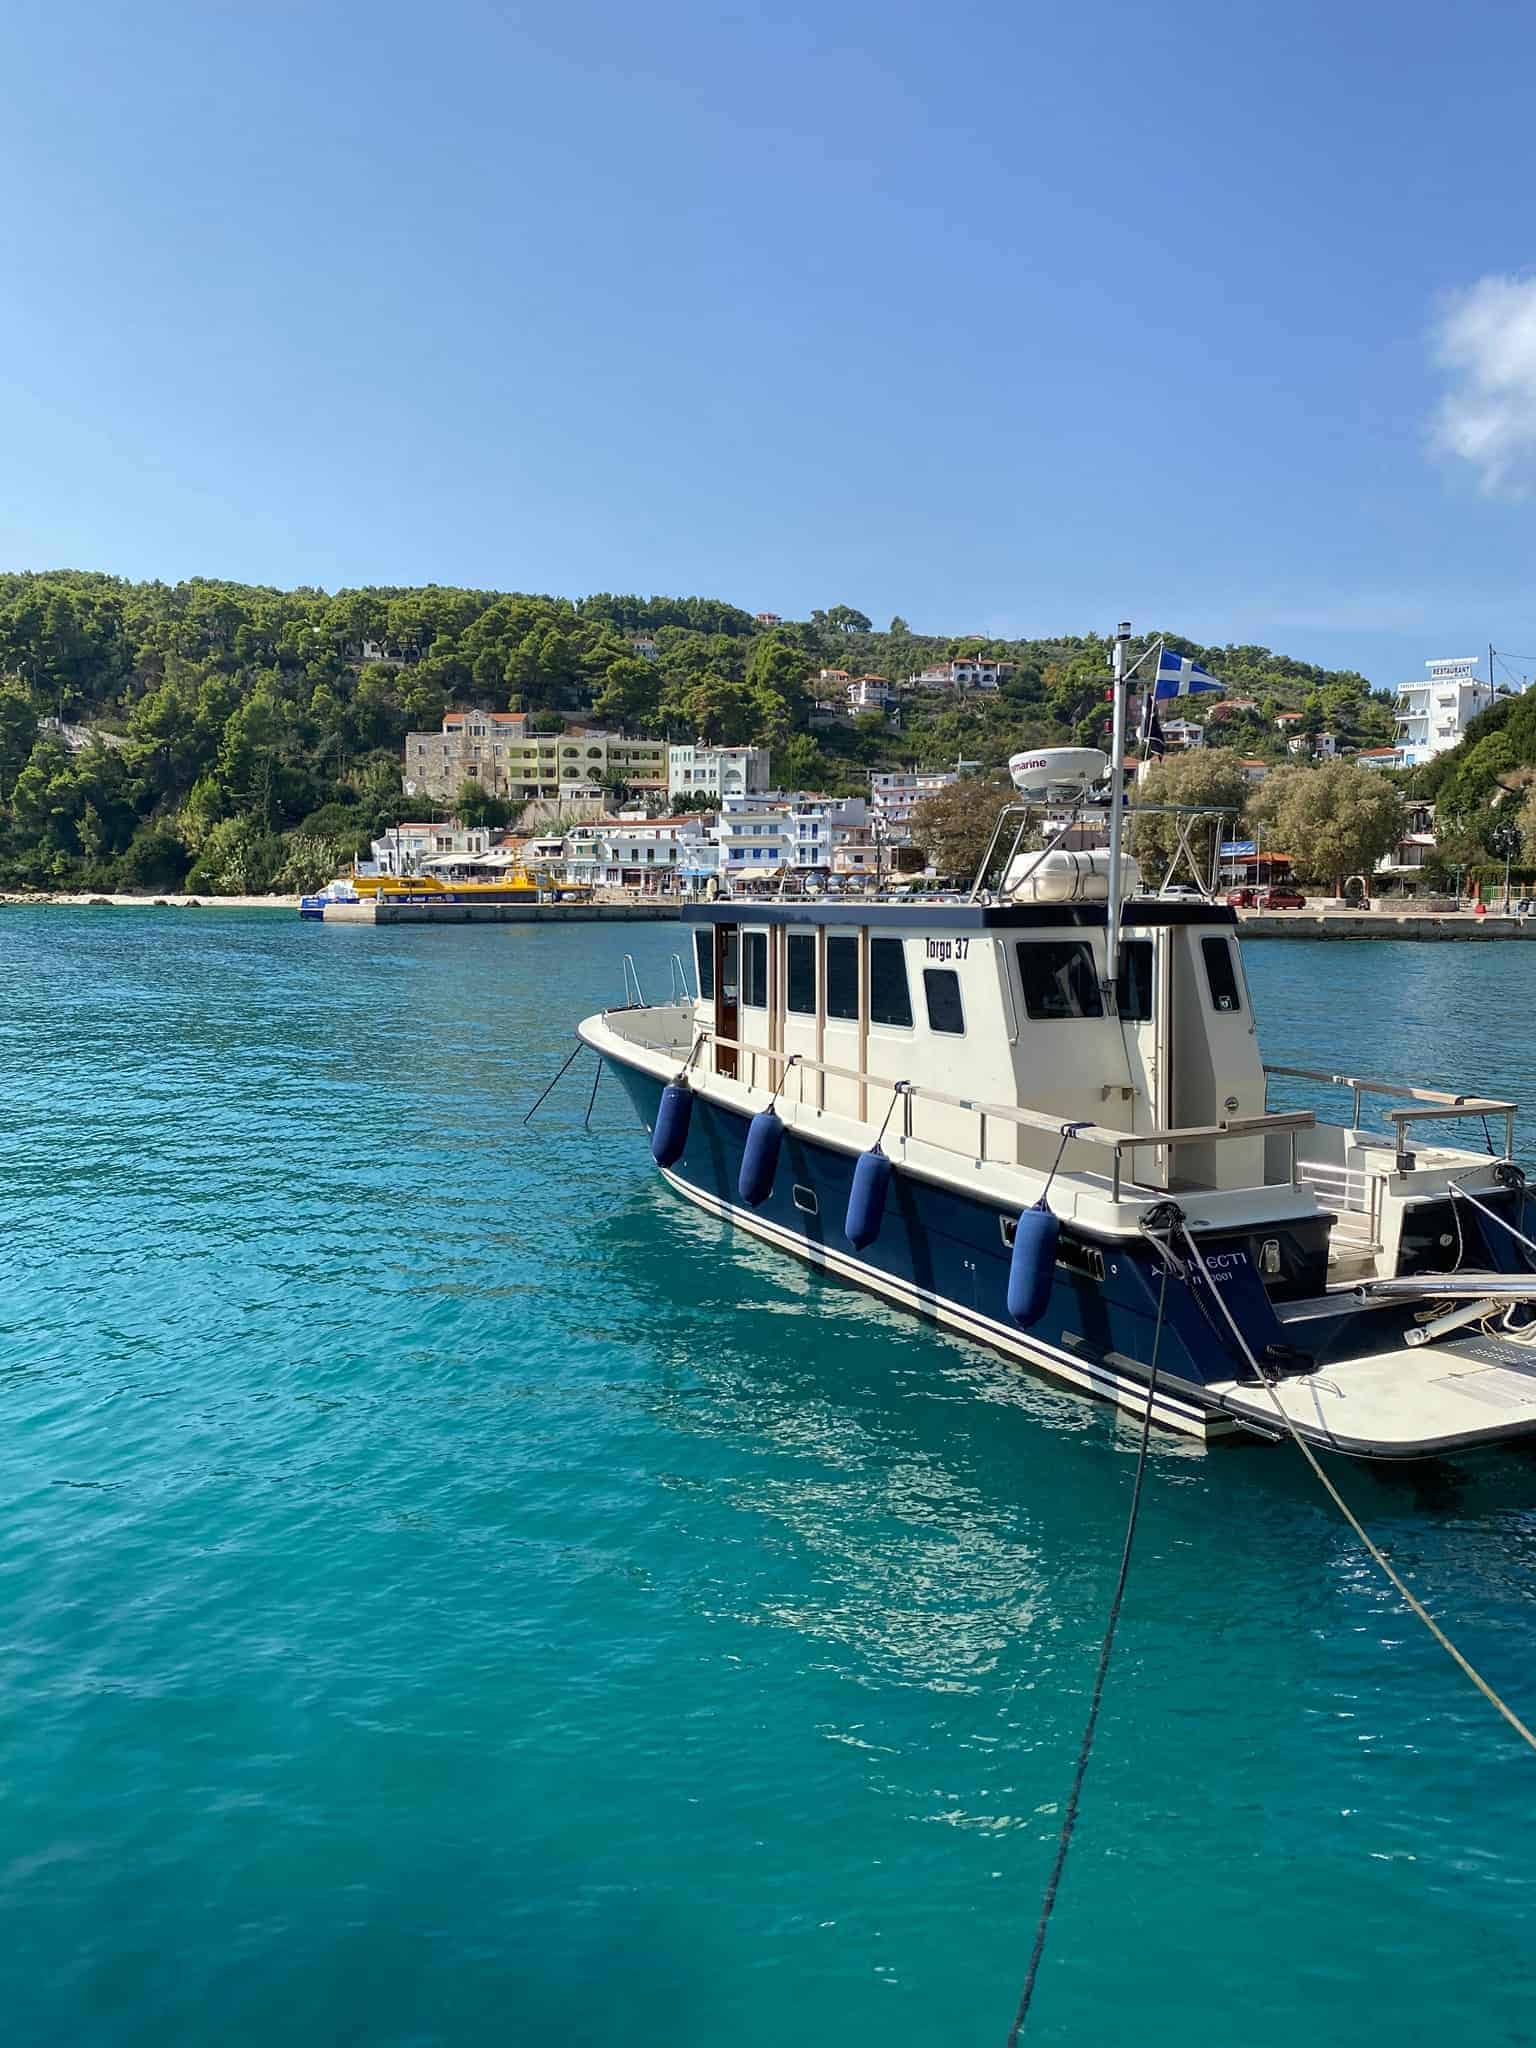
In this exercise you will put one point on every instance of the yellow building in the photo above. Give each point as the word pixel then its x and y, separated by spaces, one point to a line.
pixel 499 751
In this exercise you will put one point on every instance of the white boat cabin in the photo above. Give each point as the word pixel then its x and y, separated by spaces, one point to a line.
pixel 995 1004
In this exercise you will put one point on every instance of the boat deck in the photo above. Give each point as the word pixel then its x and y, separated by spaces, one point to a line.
pixel 1400 1402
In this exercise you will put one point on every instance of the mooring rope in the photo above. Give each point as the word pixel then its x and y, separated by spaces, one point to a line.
pixel 1085 1747
pixel 1378 1556
pixel 576 1055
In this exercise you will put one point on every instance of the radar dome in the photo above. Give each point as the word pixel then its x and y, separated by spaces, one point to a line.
pixel 1052 771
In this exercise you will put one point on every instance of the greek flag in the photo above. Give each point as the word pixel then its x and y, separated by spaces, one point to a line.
pixel 1177 677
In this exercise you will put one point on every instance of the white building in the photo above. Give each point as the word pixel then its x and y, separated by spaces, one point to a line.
pixel 637 853
pixel 970 672
pixel 1183 732
pixel 895 797
pixel 819 825
pixel 1380 757
pixel 716 771
pixel 753 836
pixel 403 848
pixel 1433 715
pixel 759 835
pixel 500 751
pixel 868 693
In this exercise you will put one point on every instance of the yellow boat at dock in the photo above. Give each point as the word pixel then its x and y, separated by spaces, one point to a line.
pixel 517 886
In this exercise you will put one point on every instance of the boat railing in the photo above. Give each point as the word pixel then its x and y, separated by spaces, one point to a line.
pixel 681 992
pixel 1121 1145
pixel 1433 1105
pixel 634 995
pixel 1352 1193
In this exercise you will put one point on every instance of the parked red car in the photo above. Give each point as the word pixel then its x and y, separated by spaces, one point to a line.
pixel 1241 899
pixel 1282 899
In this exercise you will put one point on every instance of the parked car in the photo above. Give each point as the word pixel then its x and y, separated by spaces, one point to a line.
pixel 1282 899
pixel 1242 899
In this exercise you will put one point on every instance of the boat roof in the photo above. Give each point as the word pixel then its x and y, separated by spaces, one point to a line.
pixel 1139 910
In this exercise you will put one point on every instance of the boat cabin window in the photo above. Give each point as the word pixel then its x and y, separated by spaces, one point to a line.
pixel 890 1000
pixel 941 992
pixel 754 970
pixel 800 994
pixel 1133 994
pixel 1059 978
pixel 704 954
pixel 843 978
pixel 1221 973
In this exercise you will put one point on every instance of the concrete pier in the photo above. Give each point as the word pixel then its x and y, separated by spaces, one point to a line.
pixel 1382 924
pixel 498 913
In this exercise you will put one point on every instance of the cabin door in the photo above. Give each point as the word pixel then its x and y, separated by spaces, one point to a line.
pixel 727 996
pixel 1146 1017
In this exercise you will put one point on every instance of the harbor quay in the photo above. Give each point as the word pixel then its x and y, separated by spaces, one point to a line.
pixel 1430 925
pixel 376 911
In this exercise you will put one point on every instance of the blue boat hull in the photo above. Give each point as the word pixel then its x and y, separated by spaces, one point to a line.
pixel 945 1255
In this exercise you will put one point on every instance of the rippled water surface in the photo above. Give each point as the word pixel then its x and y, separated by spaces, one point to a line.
pixel 452 1592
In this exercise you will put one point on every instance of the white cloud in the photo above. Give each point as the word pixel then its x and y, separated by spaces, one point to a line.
pixel 1486 338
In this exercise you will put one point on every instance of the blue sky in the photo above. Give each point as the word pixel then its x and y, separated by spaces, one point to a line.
pixel 1006 317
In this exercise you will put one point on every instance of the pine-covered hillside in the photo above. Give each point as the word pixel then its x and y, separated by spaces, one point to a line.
pixel 236 738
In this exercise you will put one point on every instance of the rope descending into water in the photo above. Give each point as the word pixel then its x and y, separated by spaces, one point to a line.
pixel 576 1055
pixel 1085 1747
pixel 1378 1556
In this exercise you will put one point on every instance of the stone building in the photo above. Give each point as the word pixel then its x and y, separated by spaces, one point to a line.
pixel 498 750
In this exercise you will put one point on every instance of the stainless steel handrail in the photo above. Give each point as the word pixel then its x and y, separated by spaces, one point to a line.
pixel 1118 1143
pixel 1440 1103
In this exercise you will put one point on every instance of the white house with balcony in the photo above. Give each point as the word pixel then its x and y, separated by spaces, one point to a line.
pixel 1183 732
pixel 753 836
pixel 969 672
pixel 716 771
pixel 638 853
pixel 895 797
pixel 868 693
pixel 403 848
pixel 1433 715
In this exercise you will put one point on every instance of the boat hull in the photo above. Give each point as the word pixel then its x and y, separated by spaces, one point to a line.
pixel 944 1256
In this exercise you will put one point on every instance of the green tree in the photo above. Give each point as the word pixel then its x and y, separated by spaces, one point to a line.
pixel 475 806
pixel 1203 780
pixel 954 825
pixel 631 691
pixel 156 859
pixel 722 713
pixel 1335 820
pixel 18 729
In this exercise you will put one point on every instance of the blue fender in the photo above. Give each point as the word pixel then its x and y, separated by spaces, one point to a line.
pixel 1032 1270
pixel 670 1134
pixel 760 1159
pixel 866 1198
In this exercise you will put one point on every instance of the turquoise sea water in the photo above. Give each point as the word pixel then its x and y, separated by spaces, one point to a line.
pixel 452 1592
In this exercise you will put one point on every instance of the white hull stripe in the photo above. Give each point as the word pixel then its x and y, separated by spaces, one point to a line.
pixel 1087 1375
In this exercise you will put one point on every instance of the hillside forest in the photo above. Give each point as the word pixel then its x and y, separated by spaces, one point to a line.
pixel 234 739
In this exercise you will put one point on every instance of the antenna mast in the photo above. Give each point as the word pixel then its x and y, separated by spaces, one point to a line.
pixel 1116 810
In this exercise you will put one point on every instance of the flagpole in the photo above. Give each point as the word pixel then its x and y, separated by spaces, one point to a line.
pixel 1149 711
pixel 1116 808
